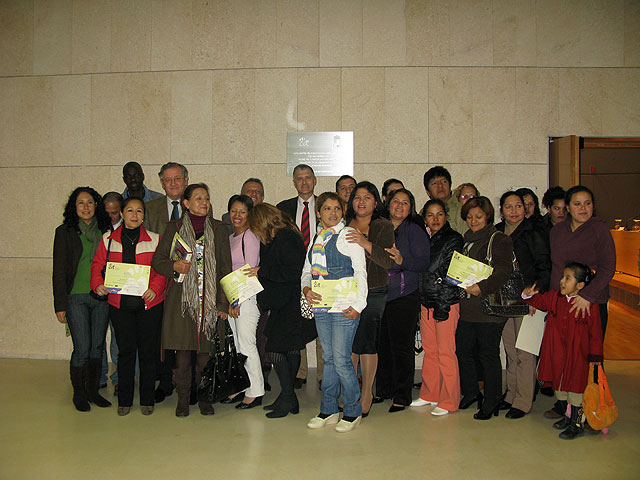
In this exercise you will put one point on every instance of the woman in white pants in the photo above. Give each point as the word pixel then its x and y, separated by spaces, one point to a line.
pixel 245 249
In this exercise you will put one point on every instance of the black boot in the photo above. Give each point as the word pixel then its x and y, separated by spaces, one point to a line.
pixel 79 390
pixel 559 410
pixel 575 428
pixel 93 383
pixel 287 401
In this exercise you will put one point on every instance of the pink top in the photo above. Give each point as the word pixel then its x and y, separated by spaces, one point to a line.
pixel 251 249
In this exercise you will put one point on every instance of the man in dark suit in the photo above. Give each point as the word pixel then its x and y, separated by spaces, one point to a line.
pixel 302 210
pixel 174 178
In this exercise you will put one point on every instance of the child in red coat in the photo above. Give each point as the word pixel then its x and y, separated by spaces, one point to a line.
pixel 571 341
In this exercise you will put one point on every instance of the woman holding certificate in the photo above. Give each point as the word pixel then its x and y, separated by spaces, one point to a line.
pixel 136 317
pixel 478 333
pixel 532 254
pixel 192 306
pixel 74 245
pixel 410 253
pixel 332 258
pixel 281 262
pixel 245 250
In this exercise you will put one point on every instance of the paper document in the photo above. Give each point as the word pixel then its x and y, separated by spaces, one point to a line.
pixel 531 331
pixel 127 278
pixel 465 271
pixel 238 287
pixel 337 295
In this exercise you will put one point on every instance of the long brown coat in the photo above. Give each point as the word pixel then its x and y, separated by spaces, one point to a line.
pixel 178 332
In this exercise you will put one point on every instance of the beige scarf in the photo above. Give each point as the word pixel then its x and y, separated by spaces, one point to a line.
pixel 190 294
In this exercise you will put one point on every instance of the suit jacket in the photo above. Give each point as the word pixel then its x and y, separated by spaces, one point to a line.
pixel 290 206
pixel 156 215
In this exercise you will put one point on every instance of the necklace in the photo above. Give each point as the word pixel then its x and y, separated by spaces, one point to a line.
pixel 132 240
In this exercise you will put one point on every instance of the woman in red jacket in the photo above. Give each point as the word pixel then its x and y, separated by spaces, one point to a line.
pixel 136 319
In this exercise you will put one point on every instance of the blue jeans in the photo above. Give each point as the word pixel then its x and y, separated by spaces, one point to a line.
pixel 88 319
pixel 336 333
pixel 113 350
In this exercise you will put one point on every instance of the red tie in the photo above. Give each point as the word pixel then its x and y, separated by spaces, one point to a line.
pixel 304 227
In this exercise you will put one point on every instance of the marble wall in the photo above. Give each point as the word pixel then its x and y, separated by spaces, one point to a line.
pixel 476 85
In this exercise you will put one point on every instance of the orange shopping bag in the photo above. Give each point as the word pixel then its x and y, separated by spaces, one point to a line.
pixel 598 404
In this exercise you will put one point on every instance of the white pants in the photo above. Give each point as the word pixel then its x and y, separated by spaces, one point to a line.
pixel 244 334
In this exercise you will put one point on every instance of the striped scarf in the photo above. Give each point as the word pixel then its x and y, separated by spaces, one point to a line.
pixel 318 256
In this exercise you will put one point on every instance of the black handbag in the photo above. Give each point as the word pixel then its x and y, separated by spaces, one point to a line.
pixel 507 300
pixel 225 373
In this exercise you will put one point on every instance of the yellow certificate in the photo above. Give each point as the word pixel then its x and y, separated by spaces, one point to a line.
pixel 238 287
pixel 337 295
pixel 464 271
pixel 127 278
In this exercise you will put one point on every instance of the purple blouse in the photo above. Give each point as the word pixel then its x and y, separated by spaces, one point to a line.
pixel 251 253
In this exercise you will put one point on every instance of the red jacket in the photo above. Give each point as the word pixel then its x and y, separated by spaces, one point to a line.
pixel 569 343
pixel 145 249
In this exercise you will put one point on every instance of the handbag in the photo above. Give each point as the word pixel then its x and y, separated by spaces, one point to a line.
pixel 305 308
pixel 507 300
pixel 225 373
pixel 598 405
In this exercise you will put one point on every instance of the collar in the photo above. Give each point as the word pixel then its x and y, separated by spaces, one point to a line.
pixel 117 234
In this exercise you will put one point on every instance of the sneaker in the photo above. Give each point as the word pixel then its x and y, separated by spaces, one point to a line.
pixel 345 426
pixel 418 402
pixel 438 412
pixel 319 422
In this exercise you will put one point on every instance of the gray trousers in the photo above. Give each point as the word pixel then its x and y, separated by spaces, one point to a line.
pixel 521 368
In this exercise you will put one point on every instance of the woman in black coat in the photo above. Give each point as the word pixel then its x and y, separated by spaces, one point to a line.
pixel 532 254
pixel 280 271
pixel 439 317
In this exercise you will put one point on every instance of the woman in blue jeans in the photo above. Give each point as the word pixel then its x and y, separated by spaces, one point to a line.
pixel 332 257
pixel 87 315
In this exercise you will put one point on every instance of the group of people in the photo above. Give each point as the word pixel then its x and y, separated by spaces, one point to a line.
pixel 395 260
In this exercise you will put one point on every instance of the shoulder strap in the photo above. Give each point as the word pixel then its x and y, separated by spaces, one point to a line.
pixel 243 257
pixel 489 255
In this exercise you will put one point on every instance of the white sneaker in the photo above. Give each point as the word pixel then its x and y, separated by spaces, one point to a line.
pixel 418 402
pixel 438 412
pixel 317 422
pixel 344 426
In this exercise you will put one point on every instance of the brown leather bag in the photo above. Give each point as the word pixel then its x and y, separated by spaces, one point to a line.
pixel 599 408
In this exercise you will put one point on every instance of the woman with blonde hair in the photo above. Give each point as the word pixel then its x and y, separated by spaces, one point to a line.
pixel 465 192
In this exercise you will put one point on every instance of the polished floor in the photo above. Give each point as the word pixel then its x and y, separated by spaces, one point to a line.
pixel 43 437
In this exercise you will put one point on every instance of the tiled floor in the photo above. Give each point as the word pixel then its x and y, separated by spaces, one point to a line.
pixel 43 437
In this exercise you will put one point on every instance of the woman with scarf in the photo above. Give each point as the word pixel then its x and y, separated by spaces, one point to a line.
pixel 192 306
pixel 333 258
pixel 86 315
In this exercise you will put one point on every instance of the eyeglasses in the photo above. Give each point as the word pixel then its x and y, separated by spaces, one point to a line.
pixel 467 197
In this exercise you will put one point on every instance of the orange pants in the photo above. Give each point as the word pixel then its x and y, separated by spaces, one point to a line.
pixel 440 374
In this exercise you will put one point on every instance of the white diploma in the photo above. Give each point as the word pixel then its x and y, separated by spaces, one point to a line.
pixel 127 278
pixel 238 287
pixel 531 331
pixel 464 271
pixel 337 295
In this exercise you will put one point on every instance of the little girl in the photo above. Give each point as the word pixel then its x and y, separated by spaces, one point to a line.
pixel 571 341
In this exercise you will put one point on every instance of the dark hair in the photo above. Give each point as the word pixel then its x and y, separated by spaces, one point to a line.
pixel 302 166
pixel 577 189
pixel 322 198
pixel 413 216
pixel 128 200
pixel 253 180
pixel 434 201
pixel 112 197
pixel 135 165
pixel 433 172
pixel 483 203
pixel 508 194
pixel 378 211
pixel 581 271
pixel 551 195
pixel 344 177
pixel 527 191
pixel 70 214
pixel 185 172
pixel 244 199
pixel 189 190
pixel 385 185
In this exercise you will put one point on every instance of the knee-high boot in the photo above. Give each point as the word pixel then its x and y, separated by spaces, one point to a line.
pixel 205 407
pixel 93 383
pixel 78 382
pixel 182 381
pixel 287 401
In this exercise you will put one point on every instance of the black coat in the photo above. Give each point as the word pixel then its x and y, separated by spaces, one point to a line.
pixel 281 263
pixel 532 253
pixel 434 291
pixel 67 250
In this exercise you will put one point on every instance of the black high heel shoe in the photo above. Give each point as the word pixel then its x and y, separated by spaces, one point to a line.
pixel 246 406
pixel 230 400
pixel 481 415
pixel 467 402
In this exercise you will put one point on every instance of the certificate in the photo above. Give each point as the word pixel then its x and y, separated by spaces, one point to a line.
pixel 464 271
pixel 238 287
pixel 127 278
pixel 337 295
pixel 531 331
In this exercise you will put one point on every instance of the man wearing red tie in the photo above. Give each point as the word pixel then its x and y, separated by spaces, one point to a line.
pixel 303 210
